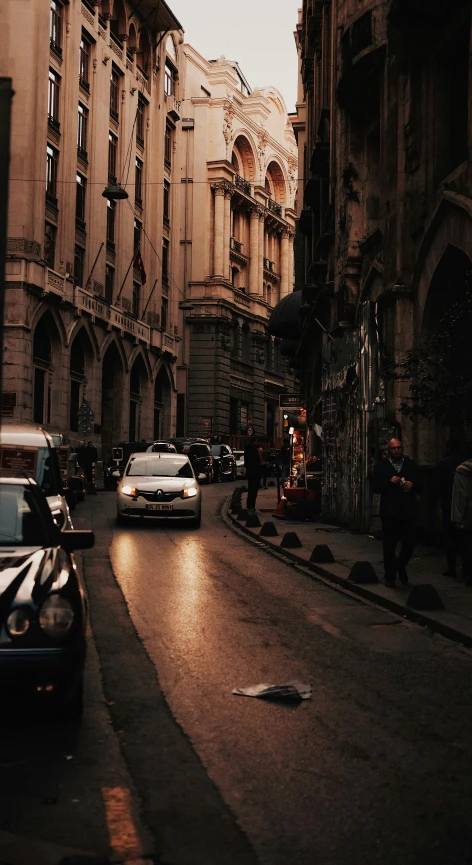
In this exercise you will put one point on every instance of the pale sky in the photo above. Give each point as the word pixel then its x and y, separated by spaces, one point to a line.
pixel 258 34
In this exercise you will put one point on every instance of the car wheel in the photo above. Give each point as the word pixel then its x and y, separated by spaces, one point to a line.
pixel 73 708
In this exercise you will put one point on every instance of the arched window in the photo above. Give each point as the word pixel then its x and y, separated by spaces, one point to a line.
pixel 170 49
pixel 77 373
pixel 41 365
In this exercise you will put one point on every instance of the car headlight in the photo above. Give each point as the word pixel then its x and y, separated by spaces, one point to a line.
pixel 129 491
pixel 18 622
pixel 189 492
pixel 56 616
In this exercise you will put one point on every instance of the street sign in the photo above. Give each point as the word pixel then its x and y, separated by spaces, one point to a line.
pixel 85 427
pixel 85 412
pixel 289 400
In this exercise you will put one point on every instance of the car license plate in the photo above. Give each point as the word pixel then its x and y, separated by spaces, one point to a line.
pixel 159 507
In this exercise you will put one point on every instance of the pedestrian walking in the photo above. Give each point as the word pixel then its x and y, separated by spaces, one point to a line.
pixel 461 514
pixel 397 479
pixel 253 466
pixel 264 457
pixel 441 488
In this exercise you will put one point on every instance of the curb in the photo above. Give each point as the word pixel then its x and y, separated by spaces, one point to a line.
pixel 328 573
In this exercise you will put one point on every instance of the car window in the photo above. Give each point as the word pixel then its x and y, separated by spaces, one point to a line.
pixel 216 450
pixel 166 468
pixel 21 523
pixel 199 450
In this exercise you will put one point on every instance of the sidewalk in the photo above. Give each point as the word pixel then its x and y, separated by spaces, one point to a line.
pixel 347 547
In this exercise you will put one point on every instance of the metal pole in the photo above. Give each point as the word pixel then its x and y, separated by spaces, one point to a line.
pixel 149 298
pixel 6 95
pixel 126 274
pixel 93 266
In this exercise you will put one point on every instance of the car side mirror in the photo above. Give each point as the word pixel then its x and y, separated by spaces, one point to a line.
pixel 77 539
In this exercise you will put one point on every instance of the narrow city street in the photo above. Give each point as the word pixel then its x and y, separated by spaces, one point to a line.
pixel 169 766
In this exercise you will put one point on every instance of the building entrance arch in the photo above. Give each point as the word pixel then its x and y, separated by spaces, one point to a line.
pixel 112 399
pixel 162 404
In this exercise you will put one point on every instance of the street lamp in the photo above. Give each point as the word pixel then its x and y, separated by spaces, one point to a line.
pixel 186 305
pixel 114 192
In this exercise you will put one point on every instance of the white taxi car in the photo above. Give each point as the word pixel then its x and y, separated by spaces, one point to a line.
pixel 159 485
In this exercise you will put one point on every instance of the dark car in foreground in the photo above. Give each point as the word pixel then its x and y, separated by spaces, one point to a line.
pixel 43 607
pixel 224 463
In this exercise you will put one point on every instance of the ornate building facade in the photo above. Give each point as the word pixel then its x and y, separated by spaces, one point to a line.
pixel 90 278
pixel 385 134
pixel 238 163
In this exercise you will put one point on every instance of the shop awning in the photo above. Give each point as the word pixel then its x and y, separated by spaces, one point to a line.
pixel 285 318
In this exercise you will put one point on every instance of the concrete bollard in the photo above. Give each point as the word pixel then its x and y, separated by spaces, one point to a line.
pixel 268 530
pixel 290 541
pixel 363 573
pixel 252 521
pixel 322 555
pixel 243 514
pixel 424 597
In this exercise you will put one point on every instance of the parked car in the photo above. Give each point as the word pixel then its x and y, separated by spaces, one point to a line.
pixel 115 467
pixel 162 448
pixel 72 474
pixel 199 454
pixel 224 463
pixel 43 607
pixel 159 485
pixel 239 459
pixel 29 450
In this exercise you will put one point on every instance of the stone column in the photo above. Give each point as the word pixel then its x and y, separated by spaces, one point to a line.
pixel 254 252
pixel 227 234
pixel 284 263
pixel 218 232
pixel 261 252
pixel 291 261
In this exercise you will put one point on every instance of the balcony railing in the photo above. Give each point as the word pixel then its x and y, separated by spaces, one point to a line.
pixel 173 106
pixel 53 123
pixel 81 153
pixel 274 207
pixel 269 265
pixel 242 184
pixel 236 245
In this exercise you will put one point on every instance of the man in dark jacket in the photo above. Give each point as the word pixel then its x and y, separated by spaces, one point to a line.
pixel 397 479
pixel 253 466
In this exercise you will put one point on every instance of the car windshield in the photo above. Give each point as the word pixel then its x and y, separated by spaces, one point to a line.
pixel 21 522
pixel 157 468
pixel 216 450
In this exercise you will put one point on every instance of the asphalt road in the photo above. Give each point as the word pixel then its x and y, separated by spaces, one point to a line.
pixel 375 768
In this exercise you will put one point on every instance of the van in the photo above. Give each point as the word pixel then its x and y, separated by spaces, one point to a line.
pixel 26 449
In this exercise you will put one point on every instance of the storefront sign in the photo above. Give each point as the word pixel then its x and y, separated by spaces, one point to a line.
pixel 19 460
pixel 289 400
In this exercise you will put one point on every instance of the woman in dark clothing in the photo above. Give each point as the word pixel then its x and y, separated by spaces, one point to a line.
pixel 253 466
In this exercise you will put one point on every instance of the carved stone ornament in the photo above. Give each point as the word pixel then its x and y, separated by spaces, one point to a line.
pixel 262 141
pixel 228 133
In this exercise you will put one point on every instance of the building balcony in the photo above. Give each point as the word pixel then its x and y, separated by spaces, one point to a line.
pixel 236 245
pixel 242 184
pixel 53 123
pixel 269 265
pixel 274 207
pixel 172 106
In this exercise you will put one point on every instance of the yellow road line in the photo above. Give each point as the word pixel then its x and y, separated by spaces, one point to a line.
pixel 121 829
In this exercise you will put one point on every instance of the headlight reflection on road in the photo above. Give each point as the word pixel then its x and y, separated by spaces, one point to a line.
pixel 187 598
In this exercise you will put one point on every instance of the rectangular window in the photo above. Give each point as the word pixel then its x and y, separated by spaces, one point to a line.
pixel 109 282
pixel 165 261
pixel 164 306
pixel 166 202
pixel 50 244
pixel 140 121
pixel 136 299
pixel 79 264
pixel 84 63
pixel 138 183
pixel 114 94
pixel 111 210
pixel 112 157
pixel 80 202
pixel 169 80
pixel 55 27
pixel 168 146
pixel 137 234
pixel 52 161
pixel 53 99
pixel 82 131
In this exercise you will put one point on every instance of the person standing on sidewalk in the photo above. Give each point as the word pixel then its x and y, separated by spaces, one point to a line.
pixel 253 466
pixel 461 514
pixel 285 460
pixel 397 479
pixel 441 488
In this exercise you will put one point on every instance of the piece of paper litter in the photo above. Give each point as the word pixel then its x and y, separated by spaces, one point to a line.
pixel 288 691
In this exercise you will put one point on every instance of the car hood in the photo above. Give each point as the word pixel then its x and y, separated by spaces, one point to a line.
pixel 167 485
pixel 28 574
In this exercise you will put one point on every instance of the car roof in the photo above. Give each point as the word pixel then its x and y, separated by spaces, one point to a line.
pixel 25 434
pixel 150 455
pixel 7 478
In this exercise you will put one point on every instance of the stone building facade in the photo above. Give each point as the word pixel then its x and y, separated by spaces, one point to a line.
pixel 90 280
pixel 238 163
pixel 385 134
